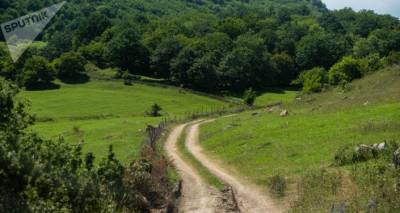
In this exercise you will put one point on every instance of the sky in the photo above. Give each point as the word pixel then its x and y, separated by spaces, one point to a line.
pixel 379 6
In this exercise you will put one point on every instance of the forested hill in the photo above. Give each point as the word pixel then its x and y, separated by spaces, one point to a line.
pixel 211 45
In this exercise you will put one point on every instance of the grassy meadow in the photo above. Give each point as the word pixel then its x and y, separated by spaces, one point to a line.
pixel 259 145
pixel 101 113
pixel 275 95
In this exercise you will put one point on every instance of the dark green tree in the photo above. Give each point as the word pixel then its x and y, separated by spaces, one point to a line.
pixel 90 28
pixel 233 26
pixel 70 68
pixel 126 51
pixel 320 49
pixel 160 59
pixel 37 73
pixel 285 67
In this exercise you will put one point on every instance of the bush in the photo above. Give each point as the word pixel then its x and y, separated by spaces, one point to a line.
pixel 349 154
pixel 37 73
pixel 313 80
pixel 371 63
pixel 344 155
pixel 345 71
pixel 249 97
pixel 70 68
pixel 154 110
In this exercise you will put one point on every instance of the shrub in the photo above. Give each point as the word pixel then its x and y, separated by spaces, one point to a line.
pixel 349 154
pixel 249 97
pixel 371 63
pixel 344 155
pixel 313 80
pixel 155 110
pixel 345 71
pixel 37 73
pixel 70 68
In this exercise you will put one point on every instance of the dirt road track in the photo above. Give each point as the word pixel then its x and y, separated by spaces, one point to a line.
pixel 197 196
pixel 249 197
pixel 200 197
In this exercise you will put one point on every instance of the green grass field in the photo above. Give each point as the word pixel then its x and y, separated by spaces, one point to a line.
pixel 261 145
pixel 274 95
pixel 107 112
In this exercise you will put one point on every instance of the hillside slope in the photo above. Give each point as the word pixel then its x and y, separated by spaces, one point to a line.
pixel 102 113
pixel 262 144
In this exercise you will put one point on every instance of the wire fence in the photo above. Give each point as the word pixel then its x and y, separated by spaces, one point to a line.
pixel 155 133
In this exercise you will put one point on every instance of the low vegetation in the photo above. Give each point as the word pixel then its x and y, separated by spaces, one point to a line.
pixel 100 113
pixel 50 175
pixel 311 145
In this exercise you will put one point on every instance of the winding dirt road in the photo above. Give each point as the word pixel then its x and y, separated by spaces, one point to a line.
pixel 200 197
pixel 197 196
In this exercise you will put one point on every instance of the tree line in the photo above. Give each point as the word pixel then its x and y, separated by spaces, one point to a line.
pixel 211 46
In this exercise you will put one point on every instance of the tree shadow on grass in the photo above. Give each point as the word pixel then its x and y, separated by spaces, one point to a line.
pixel 76 80
pixel 43 86
pixel 277 90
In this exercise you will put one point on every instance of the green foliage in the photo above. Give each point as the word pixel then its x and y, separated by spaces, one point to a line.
pixel 345 71
pixel 247 65
pixel 249 96
pixel 126 51
pixel 233 26
pixel 162 55
pixel 37 73
pixel 202 74
pixel 364 47
pixel 192 42
pixel 313 80
pixel 349 154
pixel 285 67
pixel 90 28
pixel 70 68
pixel 155 110
pixel 371 63
pixel 94 52
pixel 40 175
pixel 320 49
